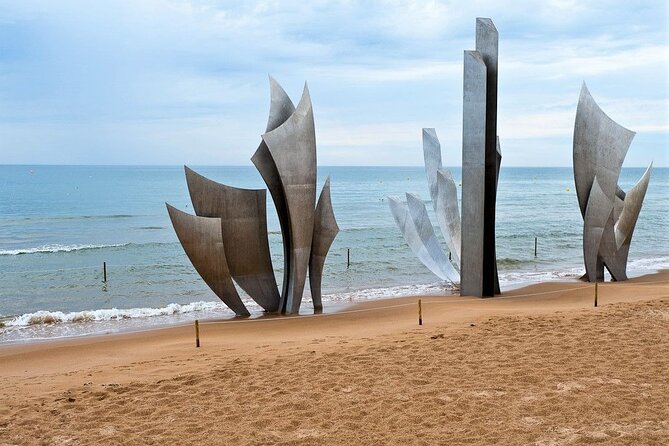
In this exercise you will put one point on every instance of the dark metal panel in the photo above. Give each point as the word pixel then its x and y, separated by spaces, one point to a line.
pixel 242 213
pixel 202 240
pixel 487 45
pixel 325 231
pixel 597 214
pixel 281 108
pixel 292 146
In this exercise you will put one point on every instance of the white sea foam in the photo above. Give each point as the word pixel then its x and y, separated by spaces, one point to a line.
pixel 397 291
pixel 111 314
pixel 55 248
pixel 652 264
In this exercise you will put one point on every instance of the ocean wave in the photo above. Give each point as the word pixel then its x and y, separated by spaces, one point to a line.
pixel 110 314
pixel 56 248
pixel 436 288
pixel 654 264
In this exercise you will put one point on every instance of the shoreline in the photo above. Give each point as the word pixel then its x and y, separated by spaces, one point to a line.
pixel 511 290
pixel 567 294
pixel 537 365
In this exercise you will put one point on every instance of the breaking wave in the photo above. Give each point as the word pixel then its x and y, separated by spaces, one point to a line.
pixel 48 249
pixel 111 314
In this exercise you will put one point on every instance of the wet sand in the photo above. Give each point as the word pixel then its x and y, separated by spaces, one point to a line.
pixel 539 366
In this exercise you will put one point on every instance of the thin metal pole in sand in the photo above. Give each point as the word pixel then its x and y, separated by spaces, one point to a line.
pixel 420 312
pixel 596 293
pixel 197 333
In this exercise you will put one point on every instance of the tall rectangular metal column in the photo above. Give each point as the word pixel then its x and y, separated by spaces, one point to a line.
pixel 473 173
pixel 487 46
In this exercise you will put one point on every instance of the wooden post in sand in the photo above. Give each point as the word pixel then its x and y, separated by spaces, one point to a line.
pixel 197 333
pixel 420 312
pixel 596 294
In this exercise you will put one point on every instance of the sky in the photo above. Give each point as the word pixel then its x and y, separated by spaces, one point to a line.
pixel 186 82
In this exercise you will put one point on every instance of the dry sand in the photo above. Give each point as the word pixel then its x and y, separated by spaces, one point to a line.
pixel 539 366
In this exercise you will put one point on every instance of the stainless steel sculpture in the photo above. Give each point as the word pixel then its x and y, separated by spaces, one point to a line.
pixel 325 231
pixel 443 193
pixel 470 237
pixel 481 159
pixel 244 229
pixel 417 230
pixel 239 249
pixel 414 222
pixel 202 240
pixel 609 214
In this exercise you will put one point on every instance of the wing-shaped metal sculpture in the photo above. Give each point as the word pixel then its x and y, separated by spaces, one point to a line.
pixel 631 208
pixel 597 213
pixel 202 240
pixel 444 197
pixel 421 221
pixel 432 157
pixel 448 212
pixel 325 231
pixel 609 214
pixel 433 258
pixel 600 146
pixel 471 237
pixel 244 228
pixel 281 108
pixel 228 239
pixel 292 146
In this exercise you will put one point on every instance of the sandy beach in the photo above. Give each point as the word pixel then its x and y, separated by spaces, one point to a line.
pixel 539 366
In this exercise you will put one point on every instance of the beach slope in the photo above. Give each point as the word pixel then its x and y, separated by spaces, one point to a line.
pixel 541 365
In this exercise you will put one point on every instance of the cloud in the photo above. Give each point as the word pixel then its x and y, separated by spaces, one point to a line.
pixel 159 81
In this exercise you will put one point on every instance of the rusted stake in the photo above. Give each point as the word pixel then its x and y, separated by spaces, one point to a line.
pixel 197 333
pixel 420 312
pixel 596 294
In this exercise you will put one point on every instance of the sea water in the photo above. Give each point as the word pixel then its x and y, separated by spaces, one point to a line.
pixel 58 224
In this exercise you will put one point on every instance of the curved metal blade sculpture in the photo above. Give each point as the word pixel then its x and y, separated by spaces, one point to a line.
pixel 227 238
pixel 470 238
pixel 609 214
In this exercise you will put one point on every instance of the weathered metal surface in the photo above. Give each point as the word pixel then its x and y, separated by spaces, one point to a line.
pixel 432 157
pixel 487 45
pixel 281 108
pixel 600 146
pixel 292 146
pixel 498 157
pixel 202 240
pixel 618 234
pixel 244 227
pixel 448 213
pixel 444 195
pixel 239 249
pixel 325 231
pixel 429 240
pixel 473 174
pixel 280 105
pixel 597 214
pixel 631 208
pixel 433 259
